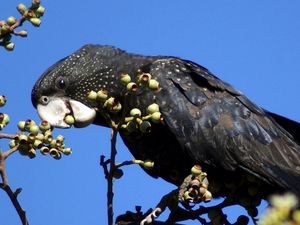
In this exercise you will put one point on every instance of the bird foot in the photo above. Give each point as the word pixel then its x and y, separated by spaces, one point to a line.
pixel 151 217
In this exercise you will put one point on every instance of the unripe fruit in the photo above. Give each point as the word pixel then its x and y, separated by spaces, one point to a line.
pixel 144 77
pixel 21 8
pixel 69 119
pixel 92 95
pixel 45 150
pixel 22 138
pixel 67 151
pixel 32 153
pixel 153 84
pixel 34 129
pixel 145 127
pixel 125 78
pixel 44 126
pixel 40 11
pixel 207 196
pixel 39 137
pixel 21 125
pixel 35 22
pixel 2 100
pixel 102 95
pixel 9 46
pixel 135 112
pixel 132 87
pixel 148 164
pixel 156 117
pixel 38 143
pixel 28 124
pixel 196 170
pixel 153 108
pixel 22 33
pixel 131 126
pixel 110 102
pixel 11 20
pixel 55 153
pixel 12 143
pixel 4 119
pixel 116 108
pixel 60 138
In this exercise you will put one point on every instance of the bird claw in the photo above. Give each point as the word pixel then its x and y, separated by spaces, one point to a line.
pixel 150 218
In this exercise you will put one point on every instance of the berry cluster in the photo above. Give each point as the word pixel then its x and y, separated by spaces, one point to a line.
pixel 33 137
pixel 4 118
pixel 7 28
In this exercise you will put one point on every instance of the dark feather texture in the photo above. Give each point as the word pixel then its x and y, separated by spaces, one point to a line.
pixel 206 121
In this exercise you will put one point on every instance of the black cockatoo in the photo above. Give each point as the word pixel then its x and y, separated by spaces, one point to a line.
pixel 205 120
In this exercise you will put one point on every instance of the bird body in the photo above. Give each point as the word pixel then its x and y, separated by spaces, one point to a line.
pixel 205 120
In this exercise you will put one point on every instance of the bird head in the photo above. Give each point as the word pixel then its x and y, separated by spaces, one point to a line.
pixel 63 88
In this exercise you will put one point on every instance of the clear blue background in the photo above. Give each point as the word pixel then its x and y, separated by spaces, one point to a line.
pixel 253 45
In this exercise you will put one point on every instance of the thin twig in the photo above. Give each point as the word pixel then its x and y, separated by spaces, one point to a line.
pixel 7 136
pixel 5 186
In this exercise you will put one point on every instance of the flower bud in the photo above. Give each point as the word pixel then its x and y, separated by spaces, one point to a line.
pixel 92 95
pixel 35 21
pixel 9 46
pixel 69 119
pixel 131 86
pixel 22 33
pixel 145 127
pixel 2 100
pixel 11 20
pixel 21 8
pixel 153 84
pixel 148 164
pixel 125 78
pixel 153 108
pixel 135 112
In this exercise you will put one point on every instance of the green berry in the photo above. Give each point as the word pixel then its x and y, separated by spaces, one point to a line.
pixel 2 100
pixel 67 151
pixel 196 170
pixel 125 78
pixel 40 11
pixel 11 20
pixel 12 143
pixel 34 129
pixel 156 117
pixel 153 84
pixel 145 127
pixel 135 112
pixel 153 108
pixel 69 119
pixel 148 164
pixel 21 8
pixel 44 126
pixel 35 22
pixel 21 125
pixel 92 95
pixel 9 46
pixel 131 86
pixel 38 143
pixel 102 95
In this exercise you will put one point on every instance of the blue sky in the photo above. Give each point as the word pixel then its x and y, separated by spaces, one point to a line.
pixel 253 45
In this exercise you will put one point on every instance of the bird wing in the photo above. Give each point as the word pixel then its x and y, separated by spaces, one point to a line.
pixel 217 125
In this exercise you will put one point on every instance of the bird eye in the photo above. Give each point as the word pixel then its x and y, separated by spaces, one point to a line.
pixel 61 83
